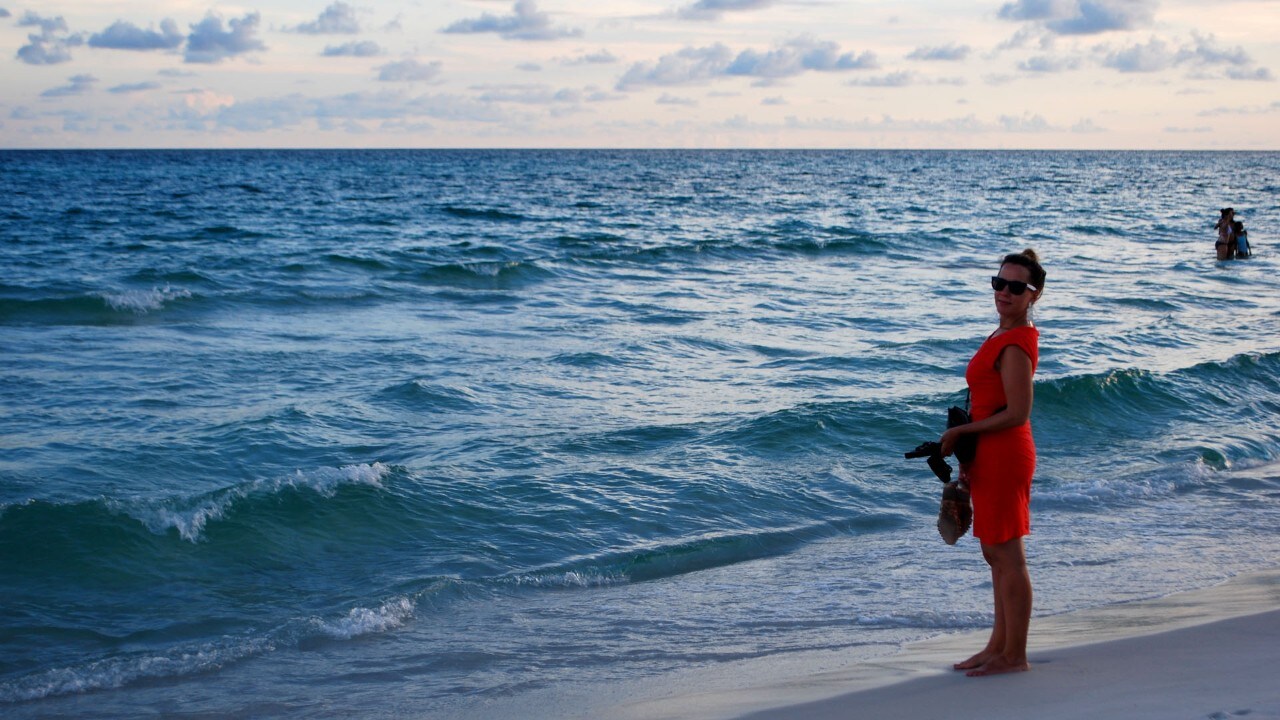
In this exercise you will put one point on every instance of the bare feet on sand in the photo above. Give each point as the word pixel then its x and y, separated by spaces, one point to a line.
pixel 998 665
pixel 976 661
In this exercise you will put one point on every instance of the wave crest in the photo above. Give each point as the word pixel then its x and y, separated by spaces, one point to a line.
pixel 190 517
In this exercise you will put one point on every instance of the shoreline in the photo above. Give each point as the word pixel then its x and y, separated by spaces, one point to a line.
pixel 1202 653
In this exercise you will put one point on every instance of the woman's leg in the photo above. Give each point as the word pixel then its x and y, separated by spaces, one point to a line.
pixel 995 644
pixel 1008 646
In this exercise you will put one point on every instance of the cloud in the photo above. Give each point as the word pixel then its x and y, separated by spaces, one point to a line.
pixel 1046 64
pixel 409 71
pixel 667 99
pixel 601 57
pixel 79 85
pixel 774 101
pixel 796 57
pixel 134 87
pixel 527 94
pixel 1202 54
pixel 686 66
pixel 210 43
pixel 944 52
pixel 1153 56
pixel 1082 17
pixel 1025 124
pixel 892 80
pixel 392 109
pixel 337 19
pixel 122 35
pixel 51 46
pixel 526 24
pixel 4 13
pixel 697 65
pixel 362 48
pixel 1262 74
pixel 714 9
pixel 47 25
pixel 43 50
pixel 1249 110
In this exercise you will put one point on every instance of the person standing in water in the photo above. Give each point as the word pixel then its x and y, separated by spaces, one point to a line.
pixel 1225 246
pixel 999 477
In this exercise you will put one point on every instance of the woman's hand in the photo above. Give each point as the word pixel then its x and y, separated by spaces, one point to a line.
pixel 948 441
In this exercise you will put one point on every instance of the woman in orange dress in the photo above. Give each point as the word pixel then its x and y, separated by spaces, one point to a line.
pixel 999 477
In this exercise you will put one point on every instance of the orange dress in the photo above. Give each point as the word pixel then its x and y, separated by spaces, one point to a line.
pixel 1000 474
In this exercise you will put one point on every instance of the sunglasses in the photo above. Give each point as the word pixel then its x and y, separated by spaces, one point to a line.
pixel 1017 287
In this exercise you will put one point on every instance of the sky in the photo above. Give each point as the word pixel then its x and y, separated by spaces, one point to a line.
pixel 1091 74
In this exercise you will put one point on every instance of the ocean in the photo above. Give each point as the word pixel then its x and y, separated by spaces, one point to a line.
pixel 464 434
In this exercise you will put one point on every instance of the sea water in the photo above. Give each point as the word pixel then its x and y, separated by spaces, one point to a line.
pixel 487 434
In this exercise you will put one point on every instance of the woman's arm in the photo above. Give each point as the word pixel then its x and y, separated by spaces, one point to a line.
pixel 1015 374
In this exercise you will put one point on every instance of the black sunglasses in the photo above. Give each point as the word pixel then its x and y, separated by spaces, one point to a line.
pixel 1017 287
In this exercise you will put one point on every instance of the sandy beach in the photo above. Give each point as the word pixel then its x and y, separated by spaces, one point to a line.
pixel 1211 653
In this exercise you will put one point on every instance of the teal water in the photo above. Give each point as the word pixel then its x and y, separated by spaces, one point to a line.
pixel 450 434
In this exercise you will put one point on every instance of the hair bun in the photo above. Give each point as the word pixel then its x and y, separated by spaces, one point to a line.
pixel 1031 255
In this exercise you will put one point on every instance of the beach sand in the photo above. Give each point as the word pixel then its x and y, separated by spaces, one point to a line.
pixel 1211 653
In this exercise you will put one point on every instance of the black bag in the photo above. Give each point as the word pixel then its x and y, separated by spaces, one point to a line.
pixel 967 446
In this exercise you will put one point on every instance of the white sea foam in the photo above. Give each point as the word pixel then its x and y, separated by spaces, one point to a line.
pixel 190 516
pixel 570 579
pixel 141 302
pixel 119 671
pixel 365 621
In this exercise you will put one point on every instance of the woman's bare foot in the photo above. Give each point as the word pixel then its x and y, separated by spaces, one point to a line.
pixel 976 661
pixel 999 665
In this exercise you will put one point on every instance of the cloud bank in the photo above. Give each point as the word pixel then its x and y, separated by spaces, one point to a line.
pixel 699 65
pixel 362 48
pixel 78 85
pixel 122 35
pixel 210 43
pixel 714 9
pixel 526 24
pixel 52 45
pixel 337 19
pixel 1082 17
pixel 409 71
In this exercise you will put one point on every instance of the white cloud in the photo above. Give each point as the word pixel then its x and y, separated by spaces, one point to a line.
pixel 78 85
pixel 1025 124
pixel 46 24
pixel 409 71
pixel 1247 110
pixel 1260 74
pixel 1082 17
pixel 1202 54
pixel 296 110
pixel 122 35
pixel 714 9
pixel 667 99
pixel 526 24
pixel 337 19
pixel 210 43
pixel 600 57
pixel 52 45
pixel 128 88
pixel 360 48
pixel 527 94
pixel 698 65
pixel 892 80
pixel 1047 64
pixel 943 52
